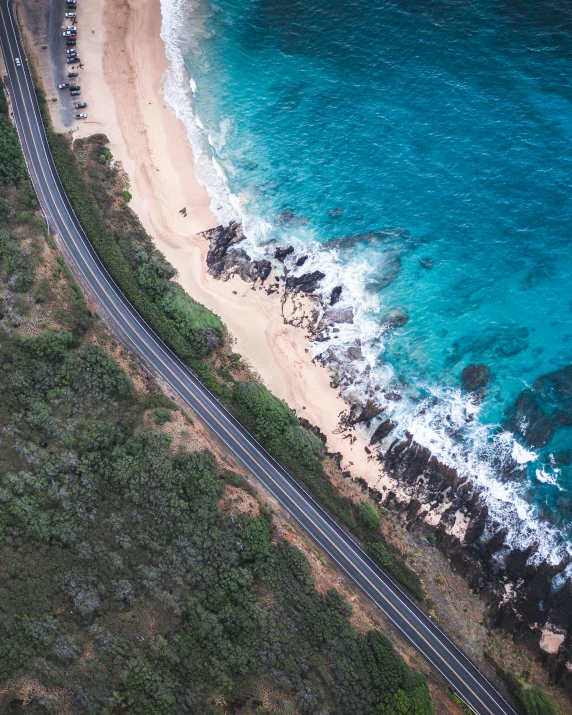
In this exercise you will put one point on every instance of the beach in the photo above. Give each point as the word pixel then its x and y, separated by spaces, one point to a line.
pixel 124 65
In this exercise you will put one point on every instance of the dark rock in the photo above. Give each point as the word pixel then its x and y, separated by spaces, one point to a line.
pixel 338 315
pixel 308 282
pixel 263 268
pixel 355 353
pixel 365 413
pixel 539 411
pixel 335 213
pixel 282 253
pixel 559 607
pixel 496 542
pixel 335 295
pixel 427 263
pixel 386 274
pixel 221 238
pixel 395 319
pixel 477 524
pixel 381 431
pixel 392 396
pixel 476 379
pixel 301 261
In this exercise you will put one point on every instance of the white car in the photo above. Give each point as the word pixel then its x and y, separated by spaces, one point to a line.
pixel 63 86
pixel 72 29
pixel 81 116
pixel 17 61
pixel 69 33
pixel 70 14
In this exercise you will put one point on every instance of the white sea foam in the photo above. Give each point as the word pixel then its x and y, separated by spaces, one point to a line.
pixel 443 420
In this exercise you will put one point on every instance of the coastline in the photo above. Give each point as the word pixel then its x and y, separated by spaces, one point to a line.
pixel 122 88
pixel 123 91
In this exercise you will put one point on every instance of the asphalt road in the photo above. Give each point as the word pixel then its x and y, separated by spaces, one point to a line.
pixel 444 656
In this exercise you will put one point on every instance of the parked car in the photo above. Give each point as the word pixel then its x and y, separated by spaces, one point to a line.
pixel 70 52
pixel 81 116
pixel 72 28
pixel 73 87
pixel 68 32
pixel 70 14
pixel 17 61
pixel 65 85
pixel 71 60
pixel 75 93
pixel 73 74
pixel 70 43
pixel 80 105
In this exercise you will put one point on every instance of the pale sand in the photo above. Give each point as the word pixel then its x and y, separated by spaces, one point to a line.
pixel 124 62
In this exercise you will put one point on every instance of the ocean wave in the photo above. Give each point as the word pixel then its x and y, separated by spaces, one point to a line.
pixel 443 420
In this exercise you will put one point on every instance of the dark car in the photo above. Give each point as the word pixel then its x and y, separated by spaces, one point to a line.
pixel 73 74
pixel 80 105
pixel 72 60
pixel 75 93
pixel 73 87
pixel 70 43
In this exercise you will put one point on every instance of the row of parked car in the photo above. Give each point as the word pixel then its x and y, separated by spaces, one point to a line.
pixel 70 34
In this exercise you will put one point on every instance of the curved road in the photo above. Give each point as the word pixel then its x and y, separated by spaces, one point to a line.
pixel 405 615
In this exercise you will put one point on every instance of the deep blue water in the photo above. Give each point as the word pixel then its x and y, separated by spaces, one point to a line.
pixel 448 125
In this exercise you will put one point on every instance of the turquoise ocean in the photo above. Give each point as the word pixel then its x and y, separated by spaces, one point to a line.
pixel 439 133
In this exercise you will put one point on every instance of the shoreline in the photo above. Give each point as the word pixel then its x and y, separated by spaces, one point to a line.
pixel 123 91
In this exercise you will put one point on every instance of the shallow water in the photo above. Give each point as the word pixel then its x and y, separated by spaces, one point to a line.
pixel 446 126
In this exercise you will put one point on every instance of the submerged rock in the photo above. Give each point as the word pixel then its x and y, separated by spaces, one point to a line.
pixel 301 261
pixel 308 282
pixel 540 410
pixel 395 319
pixel 475 379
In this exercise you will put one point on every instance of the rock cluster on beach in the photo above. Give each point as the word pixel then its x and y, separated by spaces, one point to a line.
pixel 430 495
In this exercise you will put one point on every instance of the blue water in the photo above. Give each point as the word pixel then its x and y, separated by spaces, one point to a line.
pixel 449 125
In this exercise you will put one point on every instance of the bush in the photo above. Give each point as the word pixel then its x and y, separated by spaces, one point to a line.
pixel 402 573
pixel 279 430
pixel 12 167
pixel 368 516
pixel 162 415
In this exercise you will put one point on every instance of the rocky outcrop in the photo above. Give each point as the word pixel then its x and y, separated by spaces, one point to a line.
pixel 307 282
pixel 335 295
pixel 281 254
pixel 381 431
pixel 519 593
pixel 224 263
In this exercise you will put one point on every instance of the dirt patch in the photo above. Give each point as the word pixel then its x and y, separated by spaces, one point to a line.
pixel 236 501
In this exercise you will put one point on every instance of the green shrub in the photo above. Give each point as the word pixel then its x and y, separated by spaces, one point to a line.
pixel 162 415
pixel 279 430
pixel 402 573
pixel 12 167
pixel 368 516
pixel 126 195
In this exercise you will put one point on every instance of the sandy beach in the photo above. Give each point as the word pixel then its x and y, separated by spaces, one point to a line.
pixel 124 65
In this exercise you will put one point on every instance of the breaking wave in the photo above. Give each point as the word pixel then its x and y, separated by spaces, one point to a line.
pixel 442 419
